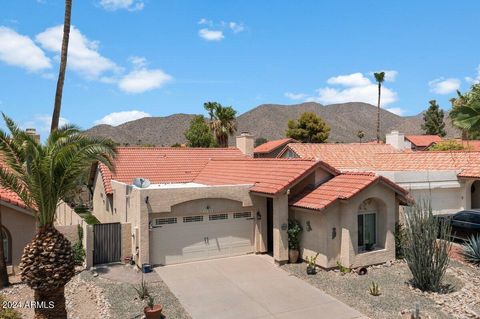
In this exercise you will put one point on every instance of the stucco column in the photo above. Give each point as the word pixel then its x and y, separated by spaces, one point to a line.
pixel 143 232
pixel 280 237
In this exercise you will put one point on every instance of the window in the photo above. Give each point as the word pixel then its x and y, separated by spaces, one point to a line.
pixel 192 219
pixel 367 230
pixel 165 221
pixel 6 245
pixel 242 215
pixel 218 217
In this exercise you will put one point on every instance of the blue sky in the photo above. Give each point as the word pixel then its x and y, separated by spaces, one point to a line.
pixel 132 58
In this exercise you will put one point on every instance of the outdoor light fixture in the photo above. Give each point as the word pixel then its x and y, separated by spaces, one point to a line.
pixel 146 200
pixel 309 227
pixel 284 226
pixel 334 232
pixel 259 216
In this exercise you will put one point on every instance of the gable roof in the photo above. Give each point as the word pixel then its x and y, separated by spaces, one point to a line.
pixel 423 140
pixel 162 164
pixel 340 156
pixel 272 145
pixel 269 176
pixel 342 187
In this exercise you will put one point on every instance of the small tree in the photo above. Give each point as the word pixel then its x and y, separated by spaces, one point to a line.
pixel 448 145
pixel 360 135
pixel 222 121
pixel 259 141
pixel 199 134
pixel 309 128
pixel 433 120
pixel 426 247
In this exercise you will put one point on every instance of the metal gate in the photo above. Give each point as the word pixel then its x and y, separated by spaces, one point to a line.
pixel 107 245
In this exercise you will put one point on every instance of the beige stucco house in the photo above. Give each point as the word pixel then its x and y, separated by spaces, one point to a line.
pixel 210 203
pixel 19 226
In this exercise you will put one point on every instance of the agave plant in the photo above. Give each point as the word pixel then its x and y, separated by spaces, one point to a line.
pixel 42 175
pixel 471 250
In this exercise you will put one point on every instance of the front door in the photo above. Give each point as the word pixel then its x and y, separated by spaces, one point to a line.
pixel 270 225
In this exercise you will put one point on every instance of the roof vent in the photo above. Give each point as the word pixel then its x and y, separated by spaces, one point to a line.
pixel 141 182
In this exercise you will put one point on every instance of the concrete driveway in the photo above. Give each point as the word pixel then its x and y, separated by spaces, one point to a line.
pixel 248 287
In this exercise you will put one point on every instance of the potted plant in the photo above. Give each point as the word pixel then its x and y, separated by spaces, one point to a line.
pixel 294 231
pixel 152 310
pixel 311 264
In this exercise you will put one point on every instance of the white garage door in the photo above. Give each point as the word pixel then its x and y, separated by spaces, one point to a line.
pixel 176 240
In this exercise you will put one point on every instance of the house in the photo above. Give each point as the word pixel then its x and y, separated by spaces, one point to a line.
pixel 449 179
pixel 411 142
pixel 271 149
pixel 209 203
pixel 18 227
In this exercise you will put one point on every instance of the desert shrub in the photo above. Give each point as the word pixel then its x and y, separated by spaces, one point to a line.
pixel 471 250
pixel 399 240
pixel 6 312
pixel 142 290
pixel 78 253
pixel 374 290
pixel 426 246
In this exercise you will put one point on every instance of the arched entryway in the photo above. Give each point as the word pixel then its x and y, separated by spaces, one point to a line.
pixel 371 218
pixel 475 194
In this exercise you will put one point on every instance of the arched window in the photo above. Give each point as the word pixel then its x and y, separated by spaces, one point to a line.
pixel 7 240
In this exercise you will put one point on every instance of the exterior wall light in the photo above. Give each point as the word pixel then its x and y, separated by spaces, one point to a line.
pixel 309 227
pixel 284 226
pixel 334 232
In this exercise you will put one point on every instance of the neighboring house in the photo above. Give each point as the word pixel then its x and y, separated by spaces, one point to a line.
pixel 19 226
pixel 401 141
pixel 271 149
pixel 449 179
pixel 212 203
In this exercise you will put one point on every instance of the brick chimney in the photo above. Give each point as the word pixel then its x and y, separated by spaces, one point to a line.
pixel 245 143
pixel 33 132
pixel 396 139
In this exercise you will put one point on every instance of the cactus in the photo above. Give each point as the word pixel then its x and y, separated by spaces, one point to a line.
pixel 373 289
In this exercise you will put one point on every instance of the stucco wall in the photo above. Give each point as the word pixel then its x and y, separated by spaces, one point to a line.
pixel 21 226
pixel 70 232
pixel 65 216
pixel 334 232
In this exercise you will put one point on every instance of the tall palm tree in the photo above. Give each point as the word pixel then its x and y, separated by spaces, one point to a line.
pixel 467 116
pixel 222 121
pixel 42 175
pixel 379 77
pixel 63 65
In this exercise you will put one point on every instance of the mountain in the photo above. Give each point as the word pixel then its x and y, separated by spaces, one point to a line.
pixel 269 121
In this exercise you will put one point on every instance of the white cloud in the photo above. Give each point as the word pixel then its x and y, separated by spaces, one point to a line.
pixel 396 110
pixel 117 118
pixel 350 80
pixel 19 50
pixel 444 86
pixel 206 22
pixel 390 75
pixel 236 27
pixel 142 79
pixel 130 5
pixel 211 35
pixel 42 123
pixel 83 55
pixel 476 79
pixel 296 96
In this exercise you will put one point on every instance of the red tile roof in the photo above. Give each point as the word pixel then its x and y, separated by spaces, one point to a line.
pixel 423 140
pixel 272 145
pixel 341 187
pixel 11 198
pixel 470 145
pixel 268 176
pixel 340 156
pixel 162 164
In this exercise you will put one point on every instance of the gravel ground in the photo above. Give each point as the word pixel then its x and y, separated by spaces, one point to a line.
pixel 396 297
pixel 125 303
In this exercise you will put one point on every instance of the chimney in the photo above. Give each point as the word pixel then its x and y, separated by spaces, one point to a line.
pixel 245 143
pixel 396 139
pixel 33 133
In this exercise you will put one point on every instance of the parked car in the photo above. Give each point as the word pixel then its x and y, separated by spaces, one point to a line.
pixel 465 223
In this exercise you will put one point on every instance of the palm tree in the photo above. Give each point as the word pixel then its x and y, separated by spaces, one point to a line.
pixel 360 135
pixel 467 117
pixel 222 121
pixel 42 175
pixel 63 65
pixel 379 77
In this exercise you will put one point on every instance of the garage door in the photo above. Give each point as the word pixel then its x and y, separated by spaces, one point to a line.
pixel 176 240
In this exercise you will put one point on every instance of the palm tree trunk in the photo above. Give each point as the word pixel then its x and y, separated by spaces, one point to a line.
pixel 52 304
pixel 4 282
pixel 63 66
pixel 378 112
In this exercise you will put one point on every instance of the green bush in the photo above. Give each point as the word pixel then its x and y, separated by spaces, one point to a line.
pixel 294 231
pixel 78 253
pixel 471 250
pixel 399 240
pixel 8 313
pixel 426 247
pixel 89 218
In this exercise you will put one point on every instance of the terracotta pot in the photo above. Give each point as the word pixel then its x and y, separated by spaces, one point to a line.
pixel 153 313
pixel 293 255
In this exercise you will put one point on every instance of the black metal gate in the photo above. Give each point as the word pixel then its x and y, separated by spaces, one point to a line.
pixel 107 243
